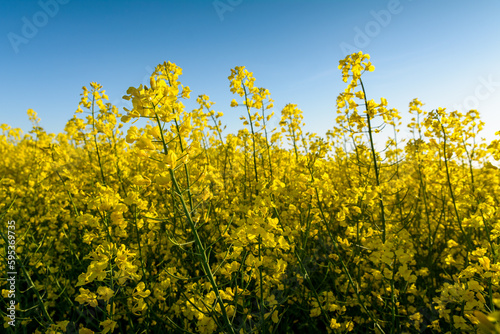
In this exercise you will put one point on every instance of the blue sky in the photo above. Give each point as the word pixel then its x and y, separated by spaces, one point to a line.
pixel 443 52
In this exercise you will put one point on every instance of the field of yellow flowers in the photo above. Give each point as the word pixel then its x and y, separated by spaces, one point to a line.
pixel 173 226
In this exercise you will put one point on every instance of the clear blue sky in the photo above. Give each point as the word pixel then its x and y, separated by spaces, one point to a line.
pixel 446 53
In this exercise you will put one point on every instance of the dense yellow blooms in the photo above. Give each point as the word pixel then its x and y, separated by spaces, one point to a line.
pixel 174 225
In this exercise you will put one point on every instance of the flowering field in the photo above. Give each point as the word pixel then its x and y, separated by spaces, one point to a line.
pixel 174 226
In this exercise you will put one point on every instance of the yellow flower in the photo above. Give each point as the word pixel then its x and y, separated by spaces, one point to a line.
pixel 87 297
pixel 139 307
pixel 62 325
pixel 105 293
pixel 140 180
pixel 171 159
pixel 108 326
pixel 139 291
pixel 185 92
pixel 315 312
pixel 163 179
pixel 274 317
pixel 334 324
pixel 145 143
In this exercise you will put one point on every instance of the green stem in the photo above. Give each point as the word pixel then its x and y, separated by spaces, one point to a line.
pixel 374 155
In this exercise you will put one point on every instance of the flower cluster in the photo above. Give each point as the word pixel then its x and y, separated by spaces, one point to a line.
pixel 175 225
